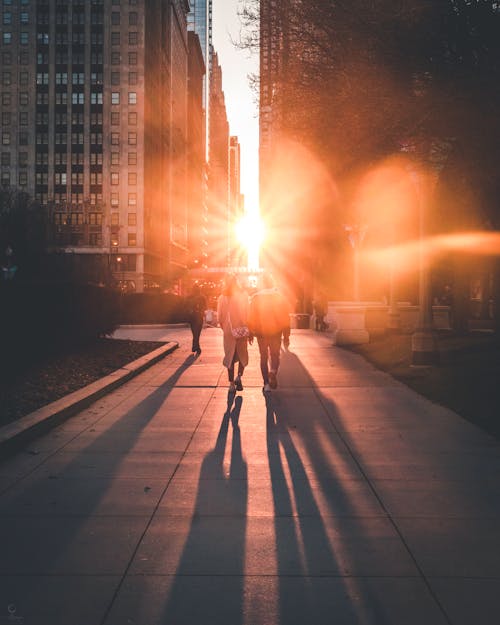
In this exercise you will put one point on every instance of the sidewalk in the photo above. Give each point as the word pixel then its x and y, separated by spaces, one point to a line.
pixel 345 498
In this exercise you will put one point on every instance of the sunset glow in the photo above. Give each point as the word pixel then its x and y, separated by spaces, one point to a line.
pixel 250 234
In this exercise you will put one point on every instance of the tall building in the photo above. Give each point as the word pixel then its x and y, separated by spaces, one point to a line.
pixel 218 181
pixel 197 166
pixel 236 207
pixel 94 127
pixel 200 22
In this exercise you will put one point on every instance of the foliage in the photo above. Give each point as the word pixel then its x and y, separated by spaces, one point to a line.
pixel 42 317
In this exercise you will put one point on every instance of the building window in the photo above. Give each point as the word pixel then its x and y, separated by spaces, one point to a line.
pixel 61 78
pixel 132 178
pixel 115 158
pixel 5 119
pixel 132 78
pixel 5 180
pixel 132 97
pixel 42 78
pixel 95 98
pixel 7 18
pixel 115 219
pixel 24 98
pixel 115 138
pixel 132 119
pixel 133 38
pixel 78 78
pixel 132 158
pixel 7 58
pixel 23 159
pixel 95 178
pixel 6 99
pixel 23 58
pixel 115 38
pixel 5 159
pixel 115 119
pixel 132 199
pixel 23 138
pixel 115 178
pixel 77 98
pixel 24 18
pixel 61 98
pixel 60 179
pixel 115 18
pixel 132 138
pixel 5 138
pixel 115 97
pixel 115 78
pixel 23 178
pixel 23 78
pixel 24 38
pixel 96 138
pixel 95 219
pixel 132 58
pixel 132 239
pixel 23 118
pixel 7 38
pixel 132 18
pixel 115 58
pixel 132 219
pixel 96 158
pixel 115 200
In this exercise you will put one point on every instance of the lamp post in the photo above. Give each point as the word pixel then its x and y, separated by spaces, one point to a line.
pixel 356 234
pixel 393 316
pixel 423 340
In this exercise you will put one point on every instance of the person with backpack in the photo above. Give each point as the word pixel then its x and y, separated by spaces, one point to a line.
pixel 269 320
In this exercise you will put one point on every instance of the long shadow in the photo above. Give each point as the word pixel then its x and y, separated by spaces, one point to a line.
pixel 208 586
pixel 51 541
pixel 308 543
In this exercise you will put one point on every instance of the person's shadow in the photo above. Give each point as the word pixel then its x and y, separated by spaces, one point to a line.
pixel 209 581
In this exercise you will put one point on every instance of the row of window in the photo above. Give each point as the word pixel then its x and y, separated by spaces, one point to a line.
pixel 65 38
pixel 61 178
pixel 77 198
pixel 7 18
pixel 61 98
pixel 61 158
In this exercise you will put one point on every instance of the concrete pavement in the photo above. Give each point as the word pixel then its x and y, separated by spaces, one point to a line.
pixel 344 498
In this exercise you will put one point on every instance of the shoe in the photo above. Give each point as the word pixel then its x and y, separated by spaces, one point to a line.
pixel 232 387
pixel 238 384
pixel 266 389
pixel 273 382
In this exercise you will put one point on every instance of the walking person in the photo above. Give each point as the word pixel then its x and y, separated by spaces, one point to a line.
pixel 269 320
pixel 232 314
pixel 196 304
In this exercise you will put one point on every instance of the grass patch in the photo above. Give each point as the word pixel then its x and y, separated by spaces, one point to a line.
pixel 467 380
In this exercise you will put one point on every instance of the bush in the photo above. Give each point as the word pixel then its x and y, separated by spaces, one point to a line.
pixel 152 308
pixel 38 318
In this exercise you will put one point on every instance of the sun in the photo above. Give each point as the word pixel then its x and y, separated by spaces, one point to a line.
pixel 250 234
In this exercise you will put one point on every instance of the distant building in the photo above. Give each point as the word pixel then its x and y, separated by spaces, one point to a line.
pixel 218 180
pixel 94 126
pixel 236 207
pixel 197 166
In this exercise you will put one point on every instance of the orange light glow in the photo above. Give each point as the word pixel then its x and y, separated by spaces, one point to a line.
pixel 250 234
pixel 481 243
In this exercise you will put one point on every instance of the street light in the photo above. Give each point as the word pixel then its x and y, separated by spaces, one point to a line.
pixel 356 234
pixel 423 341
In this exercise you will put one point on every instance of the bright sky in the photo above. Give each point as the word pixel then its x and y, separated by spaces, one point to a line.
pixel 240 100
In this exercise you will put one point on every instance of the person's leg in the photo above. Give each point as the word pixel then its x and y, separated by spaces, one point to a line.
pixel 274 356
pixel 263 343
pixel 196 327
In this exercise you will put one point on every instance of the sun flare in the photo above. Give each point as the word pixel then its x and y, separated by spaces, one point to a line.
pixel 250 235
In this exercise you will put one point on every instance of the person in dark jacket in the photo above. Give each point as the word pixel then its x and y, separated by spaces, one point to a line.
pixel 269 320
pixel 196 304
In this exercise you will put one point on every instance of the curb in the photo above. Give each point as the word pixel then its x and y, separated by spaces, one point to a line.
pixel 45 418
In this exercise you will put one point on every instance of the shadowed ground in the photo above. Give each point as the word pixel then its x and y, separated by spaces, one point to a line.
pixel 344 497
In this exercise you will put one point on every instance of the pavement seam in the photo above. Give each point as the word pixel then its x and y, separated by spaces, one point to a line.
pixel 371 486
pixel 155 509
pixel 38 422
